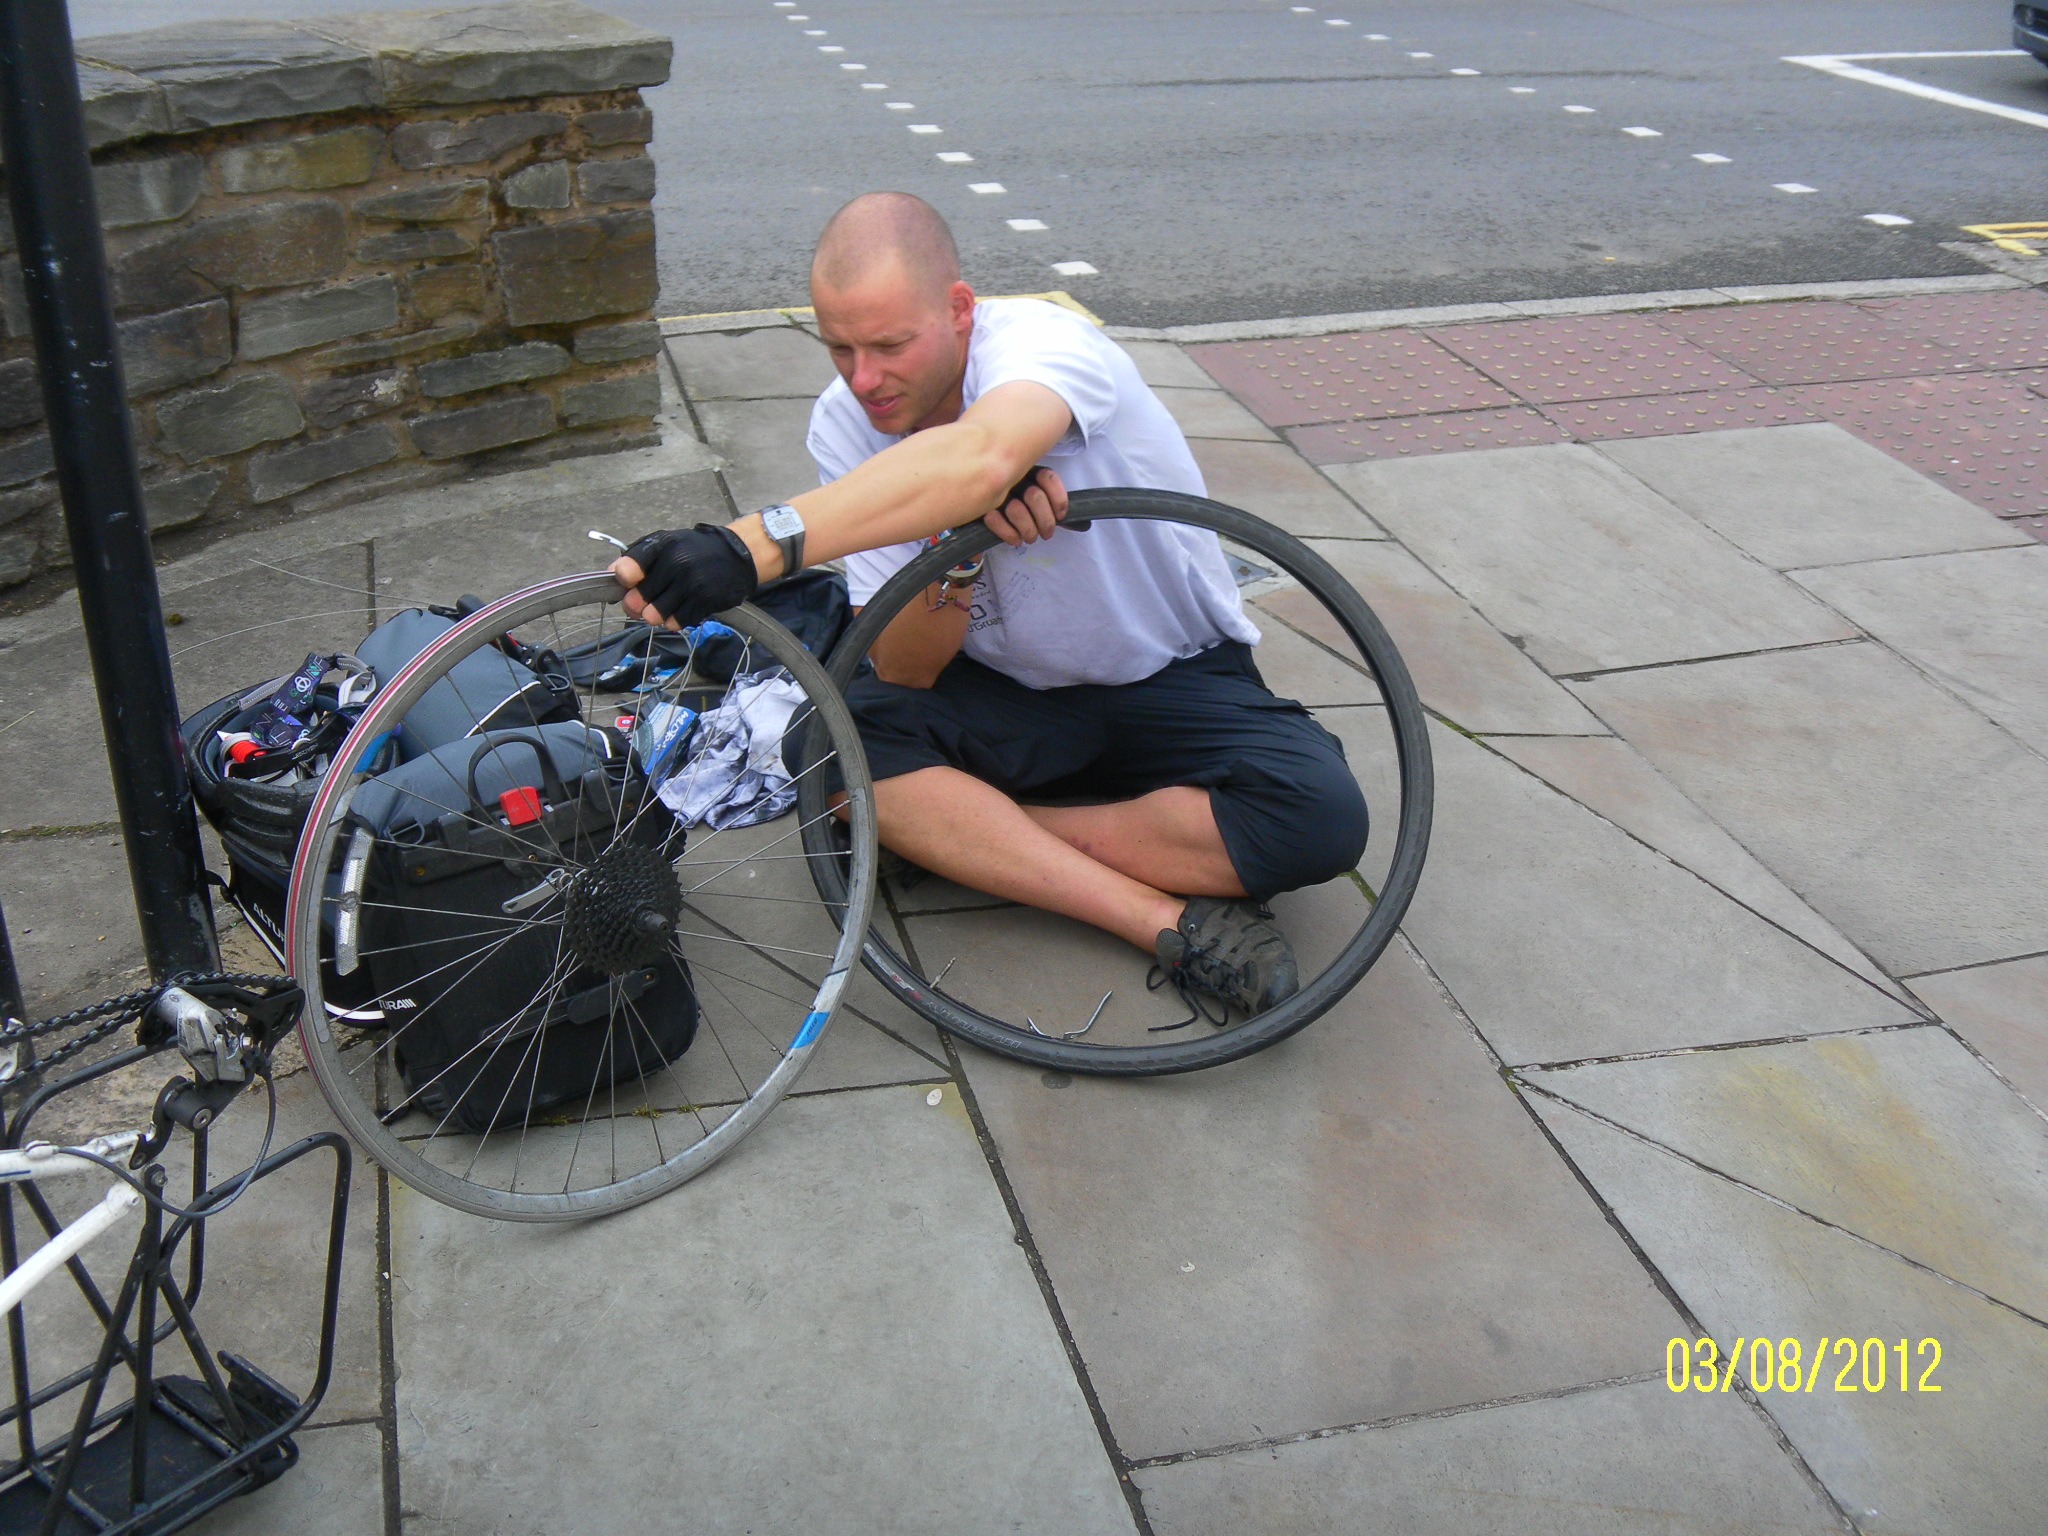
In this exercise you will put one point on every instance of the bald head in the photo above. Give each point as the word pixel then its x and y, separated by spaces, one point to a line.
pixel 883 229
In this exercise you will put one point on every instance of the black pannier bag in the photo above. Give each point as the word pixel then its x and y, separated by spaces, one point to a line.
pixel 472 840
pixel 449 852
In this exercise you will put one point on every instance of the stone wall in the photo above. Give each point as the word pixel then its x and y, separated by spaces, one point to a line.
pixel 357 255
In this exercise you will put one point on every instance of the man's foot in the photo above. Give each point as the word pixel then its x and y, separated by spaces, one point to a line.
pixel 1226 950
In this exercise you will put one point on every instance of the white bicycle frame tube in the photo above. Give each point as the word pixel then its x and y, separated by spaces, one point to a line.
pixel 42 1161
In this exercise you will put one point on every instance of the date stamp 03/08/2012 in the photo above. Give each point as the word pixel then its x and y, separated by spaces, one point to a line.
pixel 1787 1365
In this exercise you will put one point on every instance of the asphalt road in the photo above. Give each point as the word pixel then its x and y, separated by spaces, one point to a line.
pixel 1238 159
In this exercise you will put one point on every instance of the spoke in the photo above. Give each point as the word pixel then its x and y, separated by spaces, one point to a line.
pixel 391 1039
pixel 557 975
pixel 754 944
pixel 497 1032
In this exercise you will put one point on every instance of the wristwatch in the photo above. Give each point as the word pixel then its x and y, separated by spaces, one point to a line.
pixel 785 525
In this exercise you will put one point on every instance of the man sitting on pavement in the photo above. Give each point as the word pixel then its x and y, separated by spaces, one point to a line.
pixel 1112 662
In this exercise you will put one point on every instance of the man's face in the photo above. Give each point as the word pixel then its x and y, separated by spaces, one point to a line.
pixel 901 350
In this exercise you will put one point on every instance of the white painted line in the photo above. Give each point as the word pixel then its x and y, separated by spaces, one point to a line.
pixel 1582 109
pixel 830 48
pixel 1839 64
pixel 987 188
pixel 924 128
pixel 1642 133
pixel 1794 187
pixel 813 31
pixel 1521 90
pixel 1332 21
pixel 900 106
pixel 1377 37
pixel 956 157
pixel 1302 10
pixel 853 66
pixel 785 5
pixel 1888 220
pixel 1074 269
pixel 1464 71
pixel 1421 55
pixel 873 85
pixel 1713 159
pixel 1025 224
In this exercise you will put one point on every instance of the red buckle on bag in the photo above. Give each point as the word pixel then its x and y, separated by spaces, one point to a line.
pixel 521 806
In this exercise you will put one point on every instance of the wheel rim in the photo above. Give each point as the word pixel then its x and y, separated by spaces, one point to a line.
pixel 922 987
pixel 767 956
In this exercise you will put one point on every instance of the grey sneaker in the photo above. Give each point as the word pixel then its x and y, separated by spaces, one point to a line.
pixel 1227 950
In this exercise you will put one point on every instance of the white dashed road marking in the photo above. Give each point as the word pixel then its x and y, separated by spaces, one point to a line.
pixel 1888 220
pixel 924 128
pixel 1377 37
pixel 873 85
pixel 1582 109
pixel 1793 186
pixel 1522 90
pixel 1464 71
pixel 1642 133
pixel 1332 21
pixel 986 188
pixel 1421 55
pixel 853 66
pixel 1074 269
pixel 1025 224
pixel 1712 159
pixel 900 106
pixel 830 48
pixel 956 157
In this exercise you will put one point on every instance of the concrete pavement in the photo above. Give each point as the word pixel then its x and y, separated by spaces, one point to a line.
pixel 1720 1011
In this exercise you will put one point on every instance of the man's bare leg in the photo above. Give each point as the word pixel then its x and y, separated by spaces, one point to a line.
pixel 1166 839
pixel 953 824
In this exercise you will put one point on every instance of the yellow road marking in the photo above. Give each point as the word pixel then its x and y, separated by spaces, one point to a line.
pixel 2020 239
pixel 804 312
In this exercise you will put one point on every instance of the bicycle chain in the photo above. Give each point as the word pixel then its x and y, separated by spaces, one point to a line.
pixel 113 1012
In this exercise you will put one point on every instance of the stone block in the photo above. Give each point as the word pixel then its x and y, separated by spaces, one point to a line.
pixel 131 192
pixel 182 500
pixel 437 204
pixel 208 423
pixel 616 181
pixel 602 400
pixel 414 245
pixel 438 291
pixel 177 347
pixel 26 459
pixel 119 106
pixel 357 353
pixel 451 434
pixel 344 158
pixel 421 146
pixel 13 301
pixel 16 505
pixel 216 72
pixel 291 322
pixel 496 52
pixel 623 125
pixel 335 402
pixel 618 343
pixel 21 392
pixel 271 245
pixel 487 370
pixel 18 556
pixel 577 269
pixel 282 471
pixel 545 185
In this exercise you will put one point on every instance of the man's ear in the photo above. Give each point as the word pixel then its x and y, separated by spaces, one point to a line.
pixel 960 307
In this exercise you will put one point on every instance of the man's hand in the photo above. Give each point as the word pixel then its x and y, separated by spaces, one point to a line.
pixel 681 578
pixel 1036 505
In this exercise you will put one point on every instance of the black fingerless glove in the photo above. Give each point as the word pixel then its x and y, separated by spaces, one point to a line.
pixel 692 573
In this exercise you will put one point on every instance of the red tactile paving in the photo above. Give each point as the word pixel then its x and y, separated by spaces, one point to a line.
pixel 1814 342
pixel 1713 410
pixel 2037 381
pixel 1985 436
pixel 1416 436
pixel 1588 357
pixel 2037 526
pixel 1988 330
pixel 1360 376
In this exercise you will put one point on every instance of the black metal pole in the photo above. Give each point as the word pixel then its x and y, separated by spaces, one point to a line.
pixel 64 275
pixel 11 1005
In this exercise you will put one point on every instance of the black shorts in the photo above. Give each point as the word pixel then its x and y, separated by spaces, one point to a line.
pixel 1290 812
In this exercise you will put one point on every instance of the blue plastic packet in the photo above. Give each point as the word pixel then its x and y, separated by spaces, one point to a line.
pixel 660 735
pixel 282 719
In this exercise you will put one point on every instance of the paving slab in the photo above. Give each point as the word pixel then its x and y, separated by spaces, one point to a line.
pixel 1165 366
pixel 1808 495
pixel 1632 1460
pixel 1707 410
pixel 1212 413
pixel 337 1489
pixel 1901 1137
pixel 1612 779
pixel 1909 821
pixel 1462 666
pixel 1966 1460
pixel 1346 442
pixel 1564 938
pixel 1975 623
pixel 1272 481
pixel 768 364
pixel 1295 667
pixel 1348 377
pixel 837 1325
pixel 1584 566
pixel 762 443
pixel 1356 1223
pixel 71 916
pixel 2002 1010
pixel 1588 357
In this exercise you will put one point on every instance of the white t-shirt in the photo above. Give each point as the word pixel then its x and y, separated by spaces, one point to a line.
pixel 1112 604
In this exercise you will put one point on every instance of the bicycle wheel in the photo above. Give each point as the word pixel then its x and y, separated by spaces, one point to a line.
pixel 762 956
pixel 994 973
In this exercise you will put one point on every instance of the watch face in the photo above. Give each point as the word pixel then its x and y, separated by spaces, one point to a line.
pixel 782 522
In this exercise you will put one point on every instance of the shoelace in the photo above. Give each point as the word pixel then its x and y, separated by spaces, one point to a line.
pixel 1195 1002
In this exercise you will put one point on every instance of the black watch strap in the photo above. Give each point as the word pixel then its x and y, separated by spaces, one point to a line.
pixel 785 525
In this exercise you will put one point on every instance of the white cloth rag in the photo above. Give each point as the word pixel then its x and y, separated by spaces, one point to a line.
pixel 732 774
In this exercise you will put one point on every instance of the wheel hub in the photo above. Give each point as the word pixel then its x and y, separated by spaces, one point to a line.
pixel 622 908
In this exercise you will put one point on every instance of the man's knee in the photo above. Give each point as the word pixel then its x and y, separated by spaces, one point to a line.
pixel 1294 828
